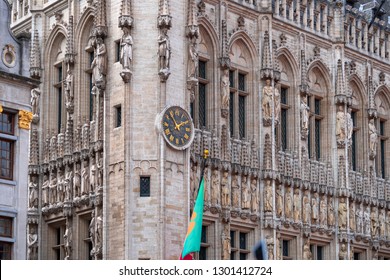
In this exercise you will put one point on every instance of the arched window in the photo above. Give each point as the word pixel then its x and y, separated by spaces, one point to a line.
pixel 382 101
pixel 240 75
pixel 318 122
pixel 57 75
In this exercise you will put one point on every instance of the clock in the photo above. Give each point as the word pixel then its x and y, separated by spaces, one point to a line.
pixel 177 127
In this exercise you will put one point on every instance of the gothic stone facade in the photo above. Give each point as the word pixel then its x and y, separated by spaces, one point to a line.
pixel 290 97
pixel 15 119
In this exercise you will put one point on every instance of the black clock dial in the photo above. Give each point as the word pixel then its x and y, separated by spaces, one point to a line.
pixel 177 126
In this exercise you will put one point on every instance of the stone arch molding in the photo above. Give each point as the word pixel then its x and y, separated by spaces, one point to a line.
pixel 247 42
pixel 324 70
pixel 211 33
pixel 362 91
pixel 284 52
pixel 83 22
pixel 145 167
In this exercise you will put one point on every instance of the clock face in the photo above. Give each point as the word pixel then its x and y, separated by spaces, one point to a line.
pixel 177 127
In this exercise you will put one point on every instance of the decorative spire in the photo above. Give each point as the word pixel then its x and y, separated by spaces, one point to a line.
pixel 69 137
pixel 276 62
pixel 266 59
pixel 70 53
pixel 340 96
pixel 164 19
pixel 225 59
pixel 372 112
pixel 304 86
pixel 33 167
pixel 125 18
pixel 100 28
pixel 35 60
pixel 192 21
pixel 267 165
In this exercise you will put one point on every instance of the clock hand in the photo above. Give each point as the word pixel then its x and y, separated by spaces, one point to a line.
pixel 176 126
pixel 182 123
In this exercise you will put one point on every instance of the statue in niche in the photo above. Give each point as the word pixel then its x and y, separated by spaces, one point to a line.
pixel 193 182
pixel 276 105
pixel 279 201
pixel 53 188
pixel 343 252
pixel 352 225
pixel 215 196
pixel 100 172
pixel 99 231
pixel 331 219
pixel 323 211
pixel 297 206
pixel 164 50
pixel 388 224
pixel 245 203
pixel 288 206
pixel 349 124
pixel 77 181
pixel 374 222
pixel 68 184
pixel 304 115
pixel 126 54
pixel 342 214
pixel 306 208
pixel 45 190
pixel 268 205
pixel 68 240
pixel 225 89
pixel 206 185
pixel 32 243
pixel 341 125
pixel 270 247
pixel 306 251
pixel 35 95
pixel 85 179
pixel 193 59
pixel 60 186
pixel 99 63
pixel 226 243
pixel 254 195
pixel 92 230
pixel 359 220
pixel 314 208
pixel 278 246
pixel 92 175
pixel 235 192
pixel 68 84
pixel 366 222
pixel 373 136
pixel 225 189
pixel 267 100
pixel 382 223
pixel 33 193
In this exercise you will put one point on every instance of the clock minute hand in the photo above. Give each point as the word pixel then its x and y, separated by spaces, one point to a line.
pixel 176 126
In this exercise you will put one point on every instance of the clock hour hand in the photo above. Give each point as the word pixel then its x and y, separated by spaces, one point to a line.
pixel 182 123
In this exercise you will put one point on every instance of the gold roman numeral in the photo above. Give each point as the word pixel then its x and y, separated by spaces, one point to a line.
pixel 186 136
pixel 166 124
pixel 171 138
pixel 167 131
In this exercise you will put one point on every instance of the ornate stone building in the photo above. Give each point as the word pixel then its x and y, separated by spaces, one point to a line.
pixel 15 119
pixel 291 98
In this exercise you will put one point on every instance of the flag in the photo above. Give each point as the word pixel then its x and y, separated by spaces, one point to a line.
pixel 194 232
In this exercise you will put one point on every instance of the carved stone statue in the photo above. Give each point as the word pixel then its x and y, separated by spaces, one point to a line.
pixel 343 252
pixel 314 208
pixel 270 247
pixel 226 244
pixel 288 207
pixel 388 224
pixel 352 224
pixel 374 222
pixel 77 181
pixel 33 193
pixel 32 243
pixel 35 95
pixel 99 231
pixel 306 251
pixel 92 230
pixel 306 208
pixel 268 204
pixel 193 184
pixel 359 220
pixel 99 63
pixel 323 211
pixel 100 172
pixel 267 101
pixel 225 189
pixel 304 115
pixel 254 196
pixel 68 184
pixel 278 246
pixel 85 179
pixel 225 90
pixel 366 222
pixel 382 223
pixel 60 186
pixel 349 124
pixel 215 196
pixel 235 192
pixel 164 49
pixel 126 54
pixel 373 138
pixel 193 59
pixel 245 203
pixel 53 188
pixel 68 239
pixel 279 201
pixel 45 190
pixel 342 214
pixel 297 206
pixel 92 176
pixel 341 122
pixel 69 95
pixel 331 219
